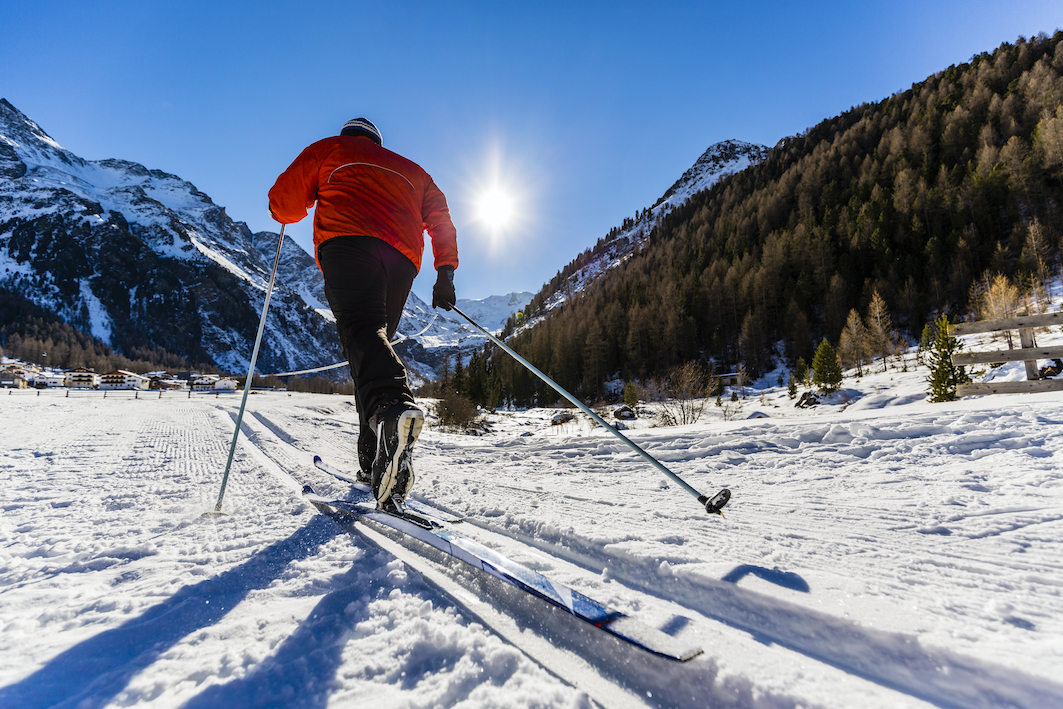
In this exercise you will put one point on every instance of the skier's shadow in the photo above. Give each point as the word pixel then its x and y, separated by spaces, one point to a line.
pixel 99 668
pixel 301 672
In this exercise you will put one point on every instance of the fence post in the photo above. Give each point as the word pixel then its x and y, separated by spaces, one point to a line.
pixel 1027 342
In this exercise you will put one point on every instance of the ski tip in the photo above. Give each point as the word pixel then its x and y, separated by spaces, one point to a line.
pixel 317 459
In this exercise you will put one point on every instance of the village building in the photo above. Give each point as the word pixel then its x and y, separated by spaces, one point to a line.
pixel 12 380
pixel 121 379
pixel 81 378
pixel 29 372
pixel 204 382
pixel 51 379
pixel 730 379
pixel 164 381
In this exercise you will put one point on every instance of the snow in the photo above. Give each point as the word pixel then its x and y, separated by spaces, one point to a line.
pixel 879 551
pixel 99 321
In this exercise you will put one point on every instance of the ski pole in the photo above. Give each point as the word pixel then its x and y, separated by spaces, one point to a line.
pixel 250 372
pixel 713 504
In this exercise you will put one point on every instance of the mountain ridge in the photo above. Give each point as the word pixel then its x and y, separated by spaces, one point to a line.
pixel 140 257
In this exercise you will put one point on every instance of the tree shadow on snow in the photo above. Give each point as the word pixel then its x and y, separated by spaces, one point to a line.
pixel 93 672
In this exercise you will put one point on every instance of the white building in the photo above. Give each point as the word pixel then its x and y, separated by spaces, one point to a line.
pixel 225 385
pixel 52 379
pixel 121 379
pixel 205 382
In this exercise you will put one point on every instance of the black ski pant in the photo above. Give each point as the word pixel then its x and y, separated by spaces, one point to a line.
pixel 367 282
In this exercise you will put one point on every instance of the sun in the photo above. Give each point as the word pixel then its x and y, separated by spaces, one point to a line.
pixel 495 208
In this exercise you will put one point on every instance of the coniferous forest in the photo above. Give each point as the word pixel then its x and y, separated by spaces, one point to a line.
pixel 916 198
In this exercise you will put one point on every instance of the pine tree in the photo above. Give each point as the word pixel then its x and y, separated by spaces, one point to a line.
pixel 926 341
pixel 944 375
pixel 458 383
pixel 631 396
pixel 827 371
pixel 791 387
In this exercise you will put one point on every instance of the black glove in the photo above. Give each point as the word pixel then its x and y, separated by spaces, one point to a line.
pixel 443 291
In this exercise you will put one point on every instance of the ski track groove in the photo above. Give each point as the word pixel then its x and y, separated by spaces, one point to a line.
pixel 809 525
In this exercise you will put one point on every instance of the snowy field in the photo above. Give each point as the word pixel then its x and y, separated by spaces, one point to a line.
pixel 879 551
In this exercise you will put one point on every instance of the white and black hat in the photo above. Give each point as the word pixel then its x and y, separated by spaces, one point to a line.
pixel 362 126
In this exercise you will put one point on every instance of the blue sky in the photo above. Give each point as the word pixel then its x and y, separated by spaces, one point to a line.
pixel 585 112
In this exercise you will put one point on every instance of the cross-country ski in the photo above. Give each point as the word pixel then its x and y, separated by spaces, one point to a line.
pixel 437 534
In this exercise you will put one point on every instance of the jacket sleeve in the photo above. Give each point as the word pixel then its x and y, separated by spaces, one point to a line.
pixel 295 191
pixel 437 222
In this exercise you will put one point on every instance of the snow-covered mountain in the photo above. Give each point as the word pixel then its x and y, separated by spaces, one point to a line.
pixel 426 336
pixel 140 257
pixel 723 158
pixel 720 160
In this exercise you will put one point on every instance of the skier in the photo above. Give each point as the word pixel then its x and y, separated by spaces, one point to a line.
pixel 373 207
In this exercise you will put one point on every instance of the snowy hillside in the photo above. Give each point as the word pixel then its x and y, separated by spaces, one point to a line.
pixel 720 160
pixel 879 551
pixel 138 257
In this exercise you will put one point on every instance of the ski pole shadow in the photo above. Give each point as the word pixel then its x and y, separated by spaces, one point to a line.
pixel 302 671
pixel 96 670
pixel 898 661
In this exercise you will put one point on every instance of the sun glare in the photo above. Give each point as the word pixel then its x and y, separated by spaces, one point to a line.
pixel 495 209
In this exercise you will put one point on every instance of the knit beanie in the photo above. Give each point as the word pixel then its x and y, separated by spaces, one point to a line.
pixel 362 126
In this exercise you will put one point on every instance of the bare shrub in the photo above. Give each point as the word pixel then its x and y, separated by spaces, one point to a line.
pixel 456 411
pixel 681 398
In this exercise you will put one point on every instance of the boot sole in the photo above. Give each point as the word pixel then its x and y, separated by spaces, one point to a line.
pixel 409 427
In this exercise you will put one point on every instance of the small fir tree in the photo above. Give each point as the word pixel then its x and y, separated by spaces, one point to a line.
pixel 944 375
pixel 801 370
pixel 827 371
pixel 631 396
pixel 926 341
pixel 458 383
pixel 791 387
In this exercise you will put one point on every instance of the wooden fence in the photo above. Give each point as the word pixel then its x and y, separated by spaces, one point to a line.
pixel 1028 353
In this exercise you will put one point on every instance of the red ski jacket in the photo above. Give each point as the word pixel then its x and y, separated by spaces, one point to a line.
pixel 362 189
